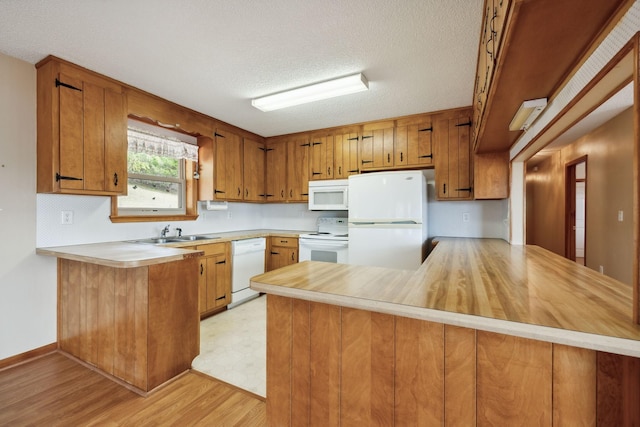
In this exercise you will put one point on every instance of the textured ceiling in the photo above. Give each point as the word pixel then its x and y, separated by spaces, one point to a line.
pixel 214 56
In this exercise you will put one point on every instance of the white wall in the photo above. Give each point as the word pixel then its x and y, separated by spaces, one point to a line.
pixel 91 220
pixel 27 281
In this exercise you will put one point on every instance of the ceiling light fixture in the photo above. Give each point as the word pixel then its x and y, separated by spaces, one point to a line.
pixel 527 113
pixel 315 92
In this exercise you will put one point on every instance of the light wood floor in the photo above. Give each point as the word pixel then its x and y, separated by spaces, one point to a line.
pixel 56 391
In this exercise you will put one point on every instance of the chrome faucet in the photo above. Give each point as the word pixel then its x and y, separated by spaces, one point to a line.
pixel 164 231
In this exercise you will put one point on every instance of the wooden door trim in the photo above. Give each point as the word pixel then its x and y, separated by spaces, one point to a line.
pixel 570 202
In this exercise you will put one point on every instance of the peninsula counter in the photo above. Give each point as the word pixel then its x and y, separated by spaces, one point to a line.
pixel 484 333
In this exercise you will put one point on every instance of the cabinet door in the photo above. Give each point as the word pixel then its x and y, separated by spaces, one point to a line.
pixel 420 144
pixel 400 145
pixel 277 257
pixel 253 170
pixel 298 170
pixel 202 285
pixel 92 136
pixel 321 157
pixel 346 153
pixel 491 175
pixel 115 141
pixel 377 148
pixel 71 133
pixel 219 291
pixel 454 162
pixel 276 172
pixel 228 170
pixel 281 256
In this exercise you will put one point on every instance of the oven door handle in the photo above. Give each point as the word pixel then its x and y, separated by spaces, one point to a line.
pixel 323 244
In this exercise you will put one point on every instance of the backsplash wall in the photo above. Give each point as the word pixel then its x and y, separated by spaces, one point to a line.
pixel 91 222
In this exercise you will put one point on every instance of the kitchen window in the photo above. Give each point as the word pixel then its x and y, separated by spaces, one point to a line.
pixel 160 165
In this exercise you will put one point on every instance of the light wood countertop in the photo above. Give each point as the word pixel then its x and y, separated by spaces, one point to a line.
pixel 483 284
pixel 130 254
pixel 119 254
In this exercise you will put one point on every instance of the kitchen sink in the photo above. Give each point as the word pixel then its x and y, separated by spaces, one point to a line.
pixel 193 237
pixel 174 239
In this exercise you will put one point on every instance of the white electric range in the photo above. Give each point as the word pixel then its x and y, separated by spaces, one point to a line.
pixel 329 244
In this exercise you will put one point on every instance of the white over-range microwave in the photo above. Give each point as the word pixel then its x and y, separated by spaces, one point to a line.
pixel 329 195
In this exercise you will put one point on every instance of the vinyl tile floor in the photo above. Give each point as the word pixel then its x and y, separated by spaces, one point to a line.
pixel 233 346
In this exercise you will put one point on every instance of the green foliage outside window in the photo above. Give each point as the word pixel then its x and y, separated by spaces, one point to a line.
pixel 147 164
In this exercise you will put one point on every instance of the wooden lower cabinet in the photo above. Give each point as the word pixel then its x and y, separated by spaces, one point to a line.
pixel 336 366
pixel 214 281
pixel 281 251
pixel 138 324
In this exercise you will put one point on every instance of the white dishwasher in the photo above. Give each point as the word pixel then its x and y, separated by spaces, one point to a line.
pixel 247 261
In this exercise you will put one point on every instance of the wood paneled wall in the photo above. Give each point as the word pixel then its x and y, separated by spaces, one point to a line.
pixel 336 366
pixel 140 325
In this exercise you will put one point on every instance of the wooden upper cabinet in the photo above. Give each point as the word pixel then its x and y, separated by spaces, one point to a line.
pixel 491 176
pixel 321 166
pixel 82 131
pixel 414 144
pixel 228 166
pixel 454 160
pixel 276 172
pixel 376 147
pixel 345 155
pixel 298 152
pixel 254 170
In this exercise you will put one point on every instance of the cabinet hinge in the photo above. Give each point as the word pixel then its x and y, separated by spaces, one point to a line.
pixel 218 191
pixel 317 143
pixel 68 178
pixel 353 139
pixel 426 156
pixel 222 262
pixel 364 162
pixel 464 124
pixel 305 145
pixel 367 136
pixel 67 85
pixel 216 134
pixel 426 129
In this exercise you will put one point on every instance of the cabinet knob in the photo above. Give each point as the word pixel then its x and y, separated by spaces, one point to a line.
pixel 115 179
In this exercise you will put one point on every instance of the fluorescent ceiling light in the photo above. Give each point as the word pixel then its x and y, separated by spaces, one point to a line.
pixel 527 113
pixel 315 92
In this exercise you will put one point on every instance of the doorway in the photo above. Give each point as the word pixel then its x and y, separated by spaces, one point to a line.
pixel 576 210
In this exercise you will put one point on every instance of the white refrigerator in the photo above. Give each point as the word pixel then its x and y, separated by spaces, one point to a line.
pixel 388 219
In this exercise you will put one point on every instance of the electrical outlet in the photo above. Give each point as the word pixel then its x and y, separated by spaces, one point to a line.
pixel 66 218
pixel 601 269
pixel 228 214
pixel 465 217
pixel 620 216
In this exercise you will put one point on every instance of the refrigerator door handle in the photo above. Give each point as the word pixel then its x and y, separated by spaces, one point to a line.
pixel 363 223
pixel 404 222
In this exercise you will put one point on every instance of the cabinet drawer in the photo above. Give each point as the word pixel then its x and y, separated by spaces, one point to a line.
pixel 213 248
pixel 286 242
